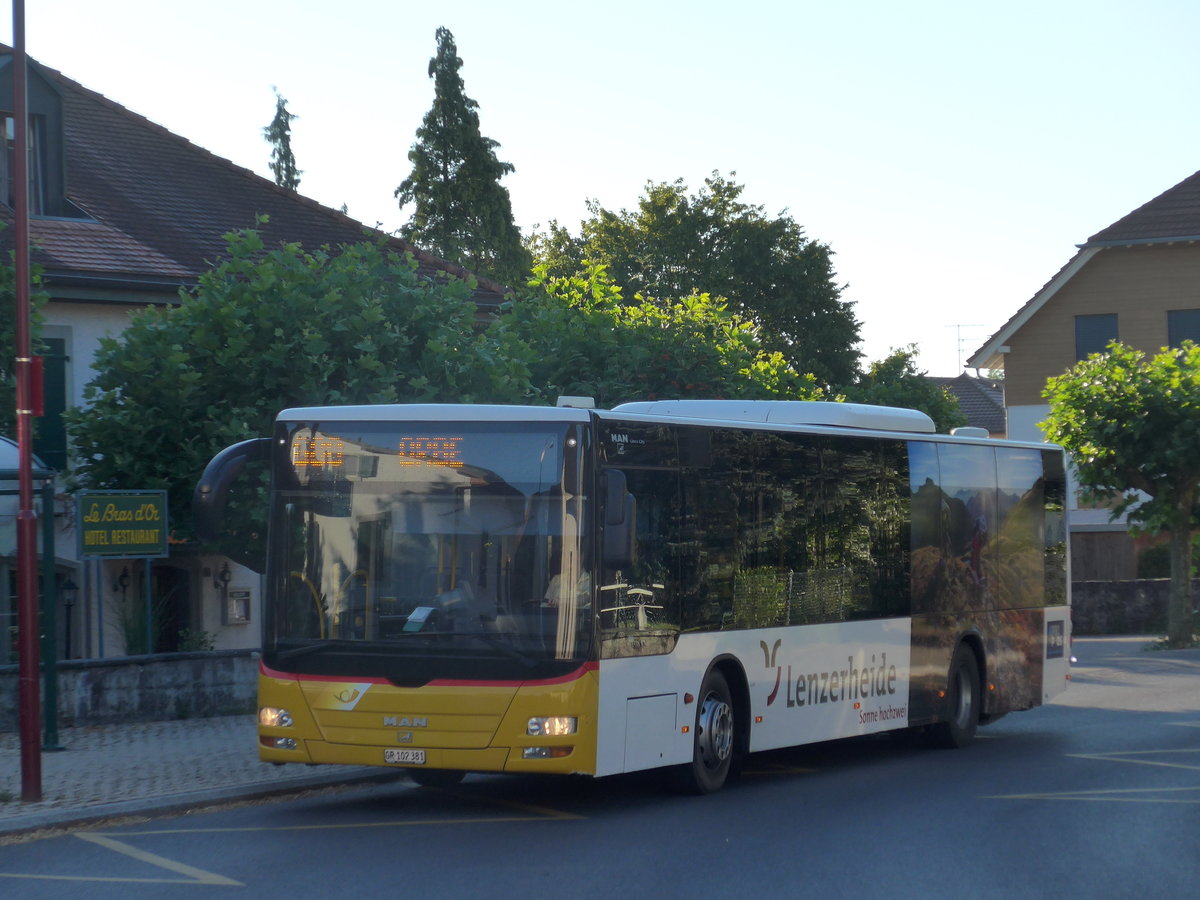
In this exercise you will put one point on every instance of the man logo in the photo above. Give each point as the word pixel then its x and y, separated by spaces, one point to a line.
pixel 769 662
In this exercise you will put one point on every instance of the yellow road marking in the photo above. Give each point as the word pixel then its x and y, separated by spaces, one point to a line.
pixel 1119 795
pixel 538 813
pixel 193 875
pixel 105 879
pixel 544 812
pixel 199 876
pixel 481 820
pixel 1164 758
pixel 1132 756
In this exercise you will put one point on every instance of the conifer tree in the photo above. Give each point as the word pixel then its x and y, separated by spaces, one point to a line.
pixel 279 135
pixel 462 212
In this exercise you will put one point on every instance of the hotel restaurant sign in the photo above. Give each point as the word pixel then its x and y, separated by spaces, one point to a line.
pixel 122 524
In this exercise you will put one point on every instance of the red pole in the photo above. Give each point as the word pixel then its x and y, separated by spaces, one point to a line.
pixel 27 600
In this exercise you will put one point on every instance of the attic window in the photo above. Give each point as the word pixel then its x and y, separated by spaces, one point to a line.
pixel 1183 325
pixel 1093 334
pixel 37 161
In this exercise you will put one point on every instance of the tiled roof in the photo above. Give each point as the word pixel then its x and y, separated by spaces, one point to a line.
pixel 77 246
pixel 980 399
pixel 159 205
pixel 1173 214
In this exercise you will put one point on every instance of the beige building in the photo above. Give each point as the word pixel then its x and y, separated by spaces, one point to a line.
pixel 1137 281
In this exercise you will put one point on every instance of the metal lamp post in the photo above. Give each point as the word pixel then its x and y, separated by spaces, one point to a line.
pixel 69 592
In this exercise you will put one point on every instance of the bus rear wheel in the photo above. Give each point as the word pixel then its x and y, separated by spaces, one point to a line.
pixel 713 741
pixel 963 701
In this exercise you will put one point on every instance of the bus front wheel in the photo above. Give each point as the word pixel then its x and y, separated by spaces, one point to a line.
pixel 963 701
pixel 713 741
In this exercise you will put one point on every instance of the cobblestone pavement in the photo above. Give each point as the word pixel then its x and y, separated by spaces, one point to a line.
pixel 110 770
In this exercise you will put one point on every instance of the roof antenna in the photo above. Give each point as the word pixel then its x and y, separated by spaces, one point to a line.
pixel 959 342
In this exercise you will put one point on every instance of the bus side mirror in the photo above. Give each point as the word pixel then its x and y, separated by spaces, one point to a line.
pixel 620 521
pixel 212 491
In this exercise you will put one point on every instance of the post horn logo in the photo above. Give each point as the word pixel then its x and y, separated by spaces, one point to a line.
pixel 769 662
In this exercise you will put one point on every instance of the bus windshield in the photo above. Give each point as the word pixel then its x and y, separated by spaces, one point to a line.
pixel 417 551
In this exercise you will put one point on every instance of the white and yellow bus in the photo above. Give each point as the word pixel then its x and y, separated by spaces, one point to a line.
pixel 470 588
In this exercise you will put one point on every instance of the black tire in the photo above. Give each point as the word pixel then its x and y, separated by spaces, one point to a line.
pixel 436 778
pixel 960 715
pixel 714 737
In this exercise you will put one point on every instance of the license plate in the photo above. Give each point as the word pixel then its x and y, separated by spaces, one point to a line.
pixel 411 757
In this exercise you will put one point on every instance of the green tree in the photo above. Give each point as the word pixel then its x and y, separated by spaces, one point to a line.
pixel 581 337
pixel 279 135
pixel 1132 423
pixel 268 329
pixel 675 244
pixel 461 211
pixel 896 381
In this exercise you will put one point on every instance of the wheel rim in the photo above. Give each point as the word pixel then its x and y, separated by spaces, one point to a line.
pixel 715 740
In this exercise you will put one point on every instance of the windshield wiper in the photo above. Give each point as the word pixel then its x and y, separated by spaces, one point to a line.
pixel 376 648
pixel 318 646
pixel 496 641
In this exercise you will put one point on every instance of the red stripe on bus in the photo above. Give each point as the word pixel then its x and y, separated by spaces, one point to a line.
pixel 274 673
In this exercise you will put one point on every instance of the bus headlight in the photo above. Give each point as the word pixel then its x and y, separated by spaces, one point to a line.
pixel 274 717
pixel 552 726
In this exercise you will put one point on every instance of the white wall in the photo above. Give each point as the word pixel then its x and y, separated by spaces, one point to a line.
pixel 81 326
pixel 1023 426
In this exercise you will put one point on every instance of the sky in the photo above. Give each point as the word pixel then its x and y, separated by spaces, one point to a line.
pixel 951 154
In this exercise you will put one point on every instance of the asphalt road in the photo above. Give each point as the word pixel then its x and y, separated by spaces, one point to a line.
pixel 1097 796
